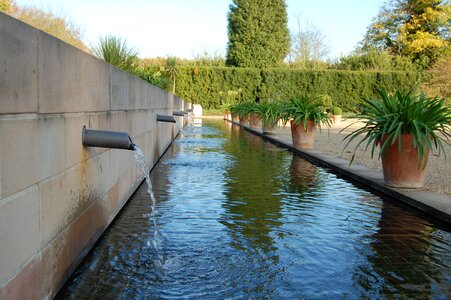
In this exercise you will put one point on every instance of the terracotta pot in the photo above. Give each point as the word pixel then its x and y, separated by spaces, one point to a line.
pixel 269 129
pixel 254 121
pixel 336 119
pixel 244 120
pixel 303 139
pixel 235 118
pixel 227 116
pixel 401 167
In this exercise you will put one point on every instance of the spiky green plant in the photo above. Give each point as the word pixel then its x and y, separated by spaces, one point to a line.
pixel 304 109
pixel 387 118
pixel 115 51
pixel 270 112
pixel 243 109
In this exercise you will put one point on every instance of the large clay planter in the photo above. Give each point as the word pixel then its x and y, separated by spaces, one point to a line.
pixel 269 129
pixel 401 167
pixel 227 116
pixel 254 121
pixel 244 120
pixel 303 139
pixel 235 118
pixel 336 119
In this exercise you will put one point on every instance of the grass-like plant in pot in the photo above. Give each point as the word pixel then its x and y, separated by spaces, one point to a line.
pixel 234 108
pixel 243 110
pixel 225 107
pixel 305 114
pixel 336 114
pixel 270 113
pixel 405 126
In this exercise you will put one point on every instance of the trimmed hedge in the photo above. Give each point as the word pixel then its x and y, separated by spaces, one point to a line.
pixel 345 88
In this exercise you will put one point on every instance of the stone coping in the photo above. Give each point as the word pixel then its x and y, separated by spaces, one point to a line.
pixel 434 204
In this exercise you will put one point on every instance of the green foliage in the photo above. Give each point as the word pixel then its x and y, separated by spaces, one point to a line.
pixel 438 81
pixel 270 112
pixel 345 88
pixel 228 98
pixel 376 60
pixel 205 87
pixel 58 26
pixel 243 109
pixel 303 109
pixel 115 51
pixel 258 33
pixel 325 101
pixel 171 70
pixel 5 6
pixel 205 59
pixel 418 29
pixel 337 110
pixel 153 76
pixel 427 119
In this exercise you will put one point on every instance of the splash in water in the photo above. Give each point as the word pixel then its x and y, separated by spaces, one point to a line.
pixel 145 170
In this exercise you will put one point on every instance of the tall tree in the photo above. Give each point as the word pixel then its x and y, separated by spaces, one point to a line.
pixel 309 46
pixel 258 33
pixel 419 29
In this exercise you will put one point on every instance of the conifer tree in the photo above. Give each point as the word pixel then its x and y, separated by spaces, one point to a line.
pixel 258 33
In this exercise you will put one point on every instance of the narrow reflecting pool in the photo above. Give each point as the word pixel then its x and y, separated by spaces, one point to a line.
pixel 240 218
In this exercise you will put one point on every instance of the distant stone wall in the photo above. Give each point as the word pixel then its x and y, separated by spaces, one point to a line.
pixel 56 196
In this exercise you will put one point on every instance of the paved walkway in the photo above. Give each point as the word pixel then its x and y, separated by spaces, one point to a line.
pixel 434 198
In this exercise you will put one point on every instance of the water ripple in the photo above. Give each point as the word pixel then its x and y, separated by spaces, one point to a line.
pixel 241 218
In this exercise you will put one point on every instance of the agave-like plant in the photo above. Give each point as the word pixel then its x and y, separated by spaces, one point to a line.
pixel 304 109
pixel 115 51
pixel 243 109
pixel 270 112
pixel 386 119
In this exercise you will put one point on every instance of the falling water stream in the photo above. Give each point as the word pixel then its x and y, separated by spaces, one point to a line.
pixel 145 170
pixel 177 122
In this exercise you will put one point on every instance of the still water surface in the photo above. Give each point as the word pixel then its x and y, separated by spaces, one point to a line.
pixel 240 218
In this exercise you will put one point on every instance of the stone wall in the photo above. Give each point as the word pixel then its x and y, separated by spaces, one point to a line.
pixel 56 196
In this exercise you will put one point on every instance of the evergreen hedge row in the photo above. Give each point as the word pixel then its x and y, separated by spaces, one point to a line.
pixel 203 85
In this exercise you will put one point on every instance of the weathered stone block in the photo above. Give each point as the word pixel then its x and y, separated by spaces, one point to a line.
pixel 119 85
pixel 32 149
pixel 18 66
pixel 19 230
pixel 70 80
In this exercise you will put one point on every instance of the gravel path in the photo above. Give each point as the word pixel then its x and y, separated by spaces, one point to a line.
pixel 438 173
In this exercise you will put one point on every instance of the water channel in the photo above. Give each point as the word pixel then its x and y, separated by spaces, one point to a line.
pixel 240 218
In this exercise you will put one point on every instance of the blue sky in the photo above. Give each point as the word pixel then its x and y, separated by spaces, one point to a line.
pixel 185 28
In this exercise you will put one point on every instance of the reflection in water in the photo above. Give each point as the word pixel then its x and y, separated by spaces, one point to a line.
pixel 408 256
pixel 252 184
pixel 241 218
pixel 302 175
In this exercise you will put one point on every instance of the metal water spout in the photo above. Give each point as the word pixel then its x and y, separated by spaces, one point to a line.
pixel 165 118
pixel 188 110
pixel 106 139
pixel 179 113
